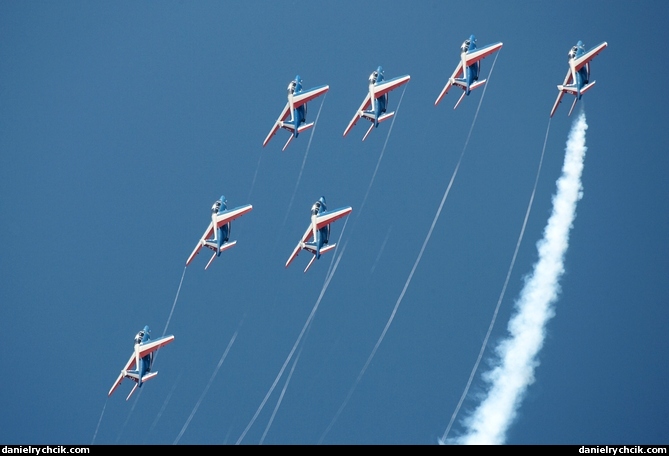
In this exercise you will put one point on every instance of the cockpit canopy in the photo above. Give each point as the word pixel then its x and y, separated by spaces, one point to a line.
pixel 572 52
pixel 139 337
pixel 216 207
pixel 292 86
pixel 465 45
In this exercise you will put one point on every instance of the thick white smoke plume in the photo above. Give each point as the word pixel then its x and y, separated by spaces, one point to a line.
pixel 514 370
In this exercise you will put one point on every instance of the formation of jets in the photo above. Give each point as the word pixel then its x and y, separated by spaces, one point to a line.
pixel 316 238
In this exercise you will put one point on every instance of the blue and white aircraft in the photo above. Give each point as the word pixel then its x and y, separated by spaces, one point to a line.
pixel 219 228
pixel 138 367
pixel 375 104
pixel 466 74
pixel 296 108
pixel 577 81
pixel 317 236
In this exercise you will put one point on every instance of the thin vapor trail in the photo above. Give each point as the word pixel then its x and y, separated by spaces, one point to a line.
pixel 306 334
pixel 167 400
pixel 283 392
pixel 304 160
pixel 132 409
pixel 99 421
pixel 253 182
pixel 206 389
pixel 292 351
pixel 413 269
pixel 174 304
pixel 383 150
pixel 501 295
pixel 514 370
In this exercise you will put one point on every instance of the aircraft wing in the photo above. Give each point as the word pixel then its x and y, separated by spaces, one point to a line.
pixel 386 86
pixel 283 116
pixel 323 219
pixel 449 83
pixel 591 54
pixel 221 219
pixel 328 217
pixel 308 95
pixel 567 80
pixel 153 345
pixel 128 366
pixel 480 53
pixel 366 103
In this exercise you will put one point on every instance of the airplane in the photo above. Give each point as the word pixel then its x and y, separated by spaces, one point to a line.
pixel 296 107
pixel 138 367
pixel 319 230
pixel 577 81
pixel 221 220
pixel 373 107
pixel 466 74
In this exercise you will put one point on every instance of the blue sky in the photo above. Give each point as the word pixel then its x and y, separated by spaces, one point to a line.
pixel 121 124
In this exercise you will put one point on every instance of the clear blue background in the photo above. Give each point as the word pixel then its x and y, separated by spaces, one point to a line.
pixel 121 123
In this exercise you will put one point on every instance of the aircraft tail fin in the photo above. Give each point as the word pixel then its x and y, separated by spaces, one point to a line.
pixel 573 105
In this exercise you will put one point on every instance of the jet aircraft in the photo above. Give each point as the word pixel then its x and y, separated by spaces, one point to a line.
pixel 319 231
pixel 466 74
pixel 138 367
pixel 375 104
pixel 577 81
pixel 219 228
pixel 296 108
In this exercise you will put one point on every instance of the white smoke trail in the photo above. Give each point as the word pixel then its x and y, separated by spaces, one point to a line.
pixel 413 269
pixel 517 354
pixel 501 295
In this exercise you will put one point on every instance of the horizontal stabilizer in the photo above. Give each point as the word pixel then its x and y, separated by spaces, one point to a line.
pixel 573 105
pixel 587 87
pixel 568 88
pixel 305 127
pixel 225 246
pixel 326 248
pixel 313 258
pixel 149 376
pixel 462 97
pixel 369 130
pixel 290 138
pixel 132 391
pixel 477 84
pixel 460 83
pixel 386 116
